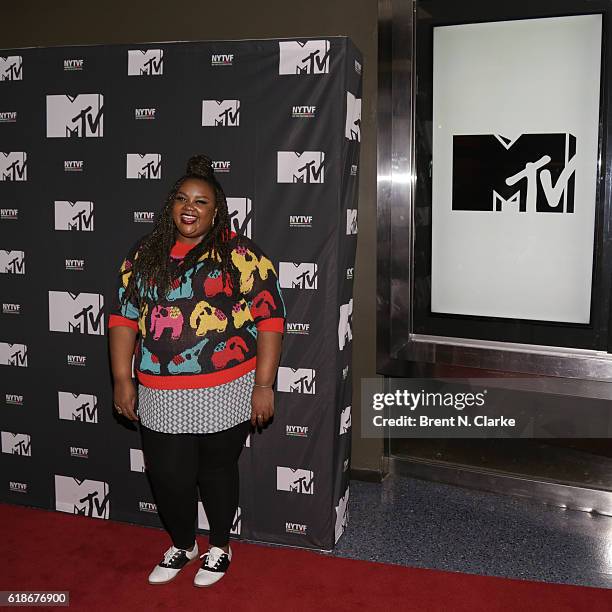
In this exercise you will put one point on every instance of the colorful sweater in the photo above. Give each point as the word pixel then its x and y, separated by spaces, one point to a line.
pixel 198 335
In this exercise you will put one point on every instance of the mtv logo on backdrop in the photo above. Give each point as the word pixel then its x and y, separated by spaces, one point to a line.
pixel 305 167
pixel 14 354
pixel 81 313
pixel 87 497
pixel 352 127
pixel 310 57
pixel 77 216
pixel 532 173
pixel 143 166
pixel 297 275
pixel 300 380
pixel 204 524
pixel 342 515
pixel 80 116
pixel 345 420
pixel 137 463
pixel 351 221
pixel 11 68
pixel 12 262
pixel 294 480
pixel 240 214
pixel 345 324
pixel 220 112
pixel 16 444
pixel 147 62
pixel 13 166
pixel 77 407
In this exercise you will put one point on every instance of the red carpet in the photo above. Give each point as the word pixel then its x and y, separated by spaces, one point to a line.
pixel 104 565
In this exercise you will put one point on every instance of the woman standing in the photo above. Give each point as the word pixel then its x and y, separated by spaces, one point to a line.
pixel 206 308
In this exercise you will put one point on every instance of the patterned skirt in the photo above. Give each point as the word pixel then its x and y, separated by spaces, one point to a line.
pixel 202 410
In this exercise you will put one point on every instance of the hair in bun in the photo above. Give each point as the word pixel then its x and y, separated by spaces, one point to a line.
pixel 200 165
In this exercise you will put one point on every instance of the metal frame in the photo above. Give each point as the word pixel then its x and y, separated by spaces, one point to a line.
pixel 397 345
pixel 403 353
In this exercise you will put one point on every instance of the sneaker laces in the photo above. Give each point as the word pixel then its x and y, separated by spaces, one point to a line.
pixel 213 556
pixel 171 555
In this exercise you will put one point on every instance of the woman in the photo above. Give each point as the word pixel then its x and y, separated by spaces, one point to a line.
pixel 206 307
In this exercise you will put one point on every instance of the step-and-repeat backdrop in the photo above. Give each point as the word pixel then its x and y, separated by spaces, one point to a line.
pixel 91 139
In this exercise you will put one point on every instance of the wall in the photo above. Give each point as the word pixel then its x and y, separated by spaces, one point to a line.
pixel 39 23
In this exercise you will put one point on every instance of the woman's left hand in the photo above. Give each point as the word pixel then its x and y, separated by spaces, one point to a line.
pixel 262 405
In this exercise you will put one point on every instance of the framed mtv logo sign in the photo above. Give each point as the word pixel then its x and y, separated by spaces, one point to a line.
pixel 495 211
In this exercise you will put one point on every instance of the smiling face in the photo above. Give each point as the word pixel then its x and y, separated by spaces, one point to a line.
pixel 193 210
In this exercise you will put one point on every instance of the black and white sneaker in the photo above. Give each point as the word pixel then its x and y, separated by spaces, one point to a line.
pixel 216 562
pixel 175 559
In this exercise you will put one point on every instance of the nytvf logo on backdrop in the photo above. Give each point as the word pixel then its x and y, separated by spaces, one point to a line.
pixel 527 173
pixel 14 166
pixel 80 116
pixel 76 312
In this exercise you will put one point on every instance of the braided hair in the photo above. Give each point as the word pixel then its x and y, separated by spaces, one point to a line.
pixel 152 267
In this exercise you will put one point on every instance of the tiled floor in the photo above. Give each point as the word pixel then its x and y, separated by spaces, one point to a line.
pixel 425 524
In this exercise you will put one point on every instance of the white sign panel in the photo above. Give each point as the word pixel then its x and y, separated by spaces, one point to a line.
pixel 515 129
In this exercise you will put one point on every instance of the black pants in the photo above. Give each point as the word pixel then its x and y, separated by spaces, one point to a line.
pixel 178 463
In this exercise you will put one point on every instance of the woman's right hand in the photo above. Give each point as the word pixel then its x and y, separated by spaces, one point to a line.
pixel 124 399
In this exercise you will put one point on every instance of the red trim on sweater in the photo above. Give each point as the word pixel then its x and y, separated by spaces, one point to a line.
pixel 115 320
pixel 273 324
pixel 195 381
pixel 180 249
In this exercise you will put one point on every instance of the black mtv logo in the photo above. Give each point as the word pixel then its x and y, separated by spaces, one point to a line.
pixel 23 447
pixel 82 220
pixel 238 224
pixel 84 119
pixel 303 484
pixel 15 171
pixel 535 172
pixel 85 413
pixel 88 320
pixel 13 69
pixel 92 505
